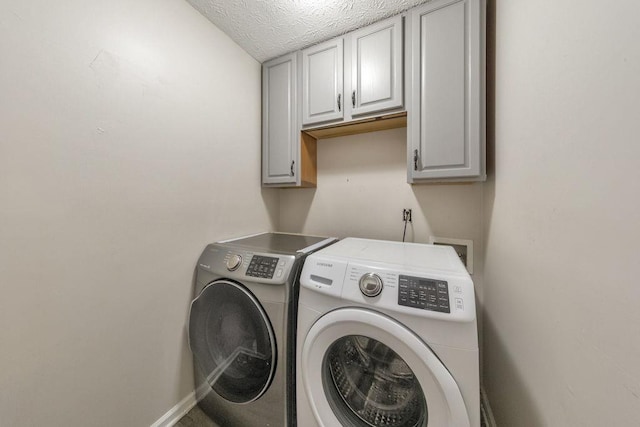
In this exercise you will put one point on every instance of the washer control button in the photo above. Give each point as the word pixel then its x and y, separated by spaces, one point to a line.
pixel 234 262
pixel 370 285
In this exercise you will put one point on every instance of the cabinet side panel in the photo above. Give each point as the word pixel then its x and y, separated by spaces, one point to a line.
pixel 308 160
pixel 443 80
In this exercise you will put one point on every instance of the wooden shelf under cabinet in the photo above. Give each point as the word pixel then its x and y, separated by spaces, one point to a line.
pixel 309 140
pixel 373 124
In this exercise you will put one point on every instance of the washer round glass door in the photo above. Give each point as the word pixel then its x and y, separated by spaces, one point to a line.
pixel 232 341
pixel 363 377
pixel 361 368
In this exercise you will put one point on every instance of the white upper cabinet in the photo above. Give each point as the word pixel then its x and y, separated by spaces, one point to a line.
pixel 288 157
pixel 363 81
pixel 445 94
pixel 376 67
pixel 368 61
pixel 280 133
pixel 322 82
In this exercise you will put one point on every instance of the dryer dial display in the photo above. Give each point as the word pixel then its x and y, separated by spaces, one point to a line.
pixel 233 262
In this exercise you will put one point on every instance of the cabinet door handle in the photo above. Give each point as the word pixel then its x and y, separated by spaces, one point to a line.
pixel 353 99
pixel 415 160
pixel 339 104
pixel 293 162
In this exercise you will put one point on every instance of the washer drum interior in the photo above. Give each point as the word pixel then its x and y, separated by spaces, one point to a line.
pixel 368 384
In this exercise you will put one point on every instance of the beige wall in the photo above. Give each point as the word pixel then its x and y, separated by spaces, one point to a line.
pixel 129 138
pixel 561 323
pixel 362 189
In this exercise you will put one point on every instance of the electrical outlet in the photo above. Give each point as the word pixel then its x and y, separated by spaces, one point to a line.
pixel 406 215
pixel 463 247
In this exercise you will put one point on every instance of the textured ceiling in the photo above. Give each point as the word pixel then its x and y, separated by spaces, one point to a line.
pixel 270 28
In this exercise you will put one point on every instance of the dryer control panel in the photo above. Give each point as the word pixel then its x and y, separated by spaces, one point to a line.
pixel 245 265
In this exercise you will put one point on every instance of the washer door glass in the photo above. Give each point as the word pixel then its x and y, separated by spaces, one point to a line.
pixel 232 341
pixel 368 384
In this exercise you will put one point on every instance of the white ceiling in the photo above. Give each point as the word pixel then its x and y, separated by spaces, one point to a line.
pixel 270 28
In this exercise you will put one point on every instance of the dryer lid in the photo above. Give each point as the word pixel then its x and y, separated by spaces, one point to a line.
pixel 282 243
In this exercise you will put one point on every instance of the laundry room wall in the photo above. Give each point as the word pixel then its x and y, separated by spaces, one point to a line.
pixel 562 215
pixel 362 190
pixel 129 138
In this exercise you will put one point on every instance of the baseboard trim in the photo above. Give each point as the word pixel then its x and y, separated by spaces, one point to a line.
pixel 174 414
pixel 485 408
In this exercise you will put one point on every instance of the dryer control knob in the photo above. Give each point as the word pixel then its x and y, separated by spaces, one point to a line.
pixel 234 262
pixel 370 285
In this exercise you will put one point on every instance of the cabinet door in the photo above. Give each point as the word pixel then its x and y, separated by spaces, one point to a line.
pixel 322 74
pixel 446 118
pixel 280 132
pixel 376 67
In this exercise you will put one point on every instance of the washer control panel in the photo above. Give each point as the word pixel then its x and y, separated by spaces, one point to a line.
pixel 427 294
pixel 422 291
pixel 262 266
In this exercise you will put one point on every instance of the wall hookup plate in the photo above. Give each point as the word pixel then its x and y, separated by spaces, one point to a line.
pixel 463 247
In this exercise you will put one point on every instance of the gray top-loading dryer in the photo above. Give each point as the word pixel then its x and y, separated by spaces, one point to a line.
pixel 242 327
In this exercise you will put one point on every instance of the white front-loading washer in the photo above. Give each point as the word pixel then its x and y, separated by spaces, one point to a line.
pixel 387 336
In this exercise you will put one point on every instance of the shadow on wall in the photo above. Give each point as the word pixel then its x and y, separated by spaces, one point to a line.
pixel 501 379
pixel 506 384
pixel 296 223
pixel 450 210
pixel 489 187
pixel 271 200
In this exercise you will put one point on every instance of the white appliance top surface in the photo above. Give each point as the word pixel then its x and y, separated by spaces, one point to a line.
pixel 397 254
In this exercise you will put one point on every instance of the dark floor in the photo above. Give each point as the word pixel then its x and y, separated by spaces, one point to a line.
pixel 195 418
